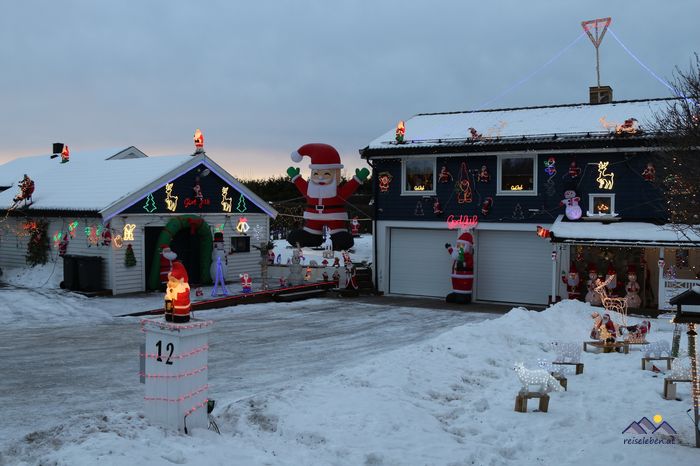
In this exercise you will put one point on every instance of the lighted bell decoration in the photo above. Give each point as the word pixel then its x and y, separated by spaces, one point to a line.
pixel 198 139
pixel 400 132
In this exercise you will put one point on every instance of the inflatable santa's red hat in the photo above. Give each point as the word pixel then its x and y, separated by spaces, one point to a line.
pixel 465 237
pixel 631 270
pixel 322 156
pixel 179 272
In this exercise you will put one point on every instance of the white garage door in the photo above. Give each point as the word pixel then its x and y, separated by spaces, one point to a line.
pixel 513 267
pixel 419 263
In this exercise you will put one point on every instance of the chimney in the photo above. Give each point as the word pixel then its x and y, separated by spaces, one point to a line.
pixel 600 94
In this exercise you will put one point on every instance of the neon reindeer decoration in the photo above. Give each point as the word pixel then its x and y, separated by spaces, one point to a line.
pixel 611 304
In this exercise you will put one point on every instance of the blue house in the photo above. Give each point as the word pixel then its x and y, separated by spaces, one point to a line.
pixel 516 169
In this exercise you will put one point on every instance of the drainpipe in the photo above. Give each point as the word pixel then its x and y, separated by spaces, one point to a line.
pixel 375 265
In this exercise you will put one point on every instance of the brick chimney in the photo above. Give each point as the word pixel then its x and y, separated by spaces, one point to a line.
pixel 600 94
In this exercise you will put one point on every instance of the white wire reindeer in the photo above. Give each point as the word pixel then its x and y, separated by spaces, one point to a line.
pixel 618 305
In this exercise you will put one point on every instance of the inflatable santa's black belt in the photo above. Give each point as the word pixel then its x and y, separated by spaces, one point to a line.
pixel 321 207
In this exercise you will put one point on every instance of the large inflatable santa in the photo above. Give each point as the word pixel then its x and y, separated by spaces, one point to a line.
pixel 462 269
pixel 325 199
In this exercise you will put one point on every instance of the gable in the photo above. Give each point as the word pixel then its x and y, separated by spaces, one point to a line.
pixel 180 196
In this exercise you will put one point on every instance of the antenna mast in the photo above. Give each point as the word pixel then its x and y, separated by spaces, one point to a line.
pixel 599 25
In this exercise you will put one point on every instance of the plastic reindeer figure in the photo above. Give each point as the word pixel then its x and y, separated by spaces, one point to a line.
pixel 611 304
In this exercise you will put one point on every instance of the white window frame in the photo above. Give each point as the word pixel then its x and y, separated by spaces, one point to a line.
pixel 612 213
pixel 404 192
pixel 500 192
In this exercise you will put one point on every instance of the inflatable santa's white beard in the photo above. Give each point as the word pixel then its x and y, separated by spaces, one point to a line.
pixel 322 191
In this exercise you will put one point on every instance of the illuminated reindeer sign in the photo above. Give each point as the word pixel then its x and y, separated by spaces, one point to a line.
pixel 605 180
pixel 612 304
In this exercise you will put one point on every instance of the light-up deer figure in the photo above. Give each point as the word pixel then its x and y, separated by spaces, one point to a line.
pixel 170 200
pixel 611 304
pixel 605 180
pixel 226 201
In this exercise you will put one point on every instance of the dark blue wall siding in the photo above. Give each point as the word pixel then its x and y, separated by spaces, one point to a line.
pixel 636 198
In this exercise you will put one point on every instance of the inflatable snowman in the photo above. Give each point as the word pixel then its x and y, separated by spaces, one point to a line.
pixel 218 252
pixel 573 210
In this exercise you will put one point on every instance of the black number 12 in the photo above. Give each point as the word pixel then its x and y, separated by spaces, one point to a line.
pixel 169 347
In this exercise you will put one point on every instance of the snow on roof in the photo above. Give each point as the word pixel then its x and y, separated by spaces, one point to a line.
pixel 516 122
pixel 88 182
pixel 622 232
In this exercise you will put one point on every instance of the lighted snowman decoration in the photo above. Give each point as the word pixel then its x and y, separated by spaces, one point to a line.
pixel 573 210
pixel 218 252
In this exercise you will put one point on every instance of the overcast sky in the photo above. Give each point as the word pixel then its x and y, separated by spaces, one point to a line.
pixel 262 78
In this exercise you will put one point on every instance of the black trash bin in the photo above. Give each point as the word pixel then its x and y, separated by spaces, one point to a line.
pixel 90 273
pixel 70 272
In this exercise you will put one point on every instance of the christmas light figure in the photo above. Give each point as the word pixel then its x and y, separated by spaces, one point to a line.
pixel 150 205
pixel 219 257
pixel 550 167
pixel 26 189
pixel 574 170
pixel 198 141
pixel 241 207
pixel 226 200
pixel 486 206
pixel 484 176
pixel 118 242
pixel 128 234
pixel 170 200
pixel 219 282
pixel 129 257
pixel 437 208
pixel 605 180
pixel 518 212
pixel 444 176
pixel 400 132
pixel 542 379
pixel 463 187
pixel 649 173
pixel 384 179
pixel 93 234
pixel 246 282
pixel 418 212
pixel 242 225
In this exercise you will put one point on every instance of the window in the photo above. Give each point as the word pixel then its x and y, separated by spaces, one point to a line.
pixel 240 244
pixel 517 175
pixel 601 205
pixel 419 176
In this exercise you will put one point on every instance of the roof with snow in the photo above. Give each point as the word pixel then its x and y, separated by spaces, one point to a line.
pixel 103 181
pixel 623 233
pixel 444 132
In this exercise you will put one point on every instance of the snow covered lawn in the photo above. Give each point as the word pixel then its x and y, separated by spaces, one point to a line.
pixel 317 383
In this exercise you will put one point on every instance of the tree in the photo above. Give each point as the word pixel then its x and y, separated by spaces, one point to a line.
pixel 679 125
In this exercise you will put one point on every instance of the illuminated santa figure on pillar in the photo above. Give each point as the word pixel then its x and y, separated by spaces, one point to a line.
pixel 177 295
pixel 572 282
pixel 325 199
pixel 462 269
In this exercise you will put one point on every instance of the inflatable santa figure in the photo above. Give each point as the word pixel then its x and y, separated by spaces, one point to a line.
pixel 167 256
pixel 592 296
pixel 177 295
pixel 572 282
pixel 246 282
pixel 325 199
pixel 632 288
pixel 462 269
pixel 218 256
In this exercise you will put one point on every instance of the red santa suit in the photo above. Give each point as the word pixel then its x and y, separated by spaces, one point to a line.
pixel 246 283
pixel 167 256
pixel 325 204
pixel 572 282
pixel 462 269
pixel 179 293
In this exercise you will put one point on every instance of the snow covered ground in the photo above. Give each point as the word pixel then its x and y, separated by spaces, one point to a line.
pixel 325 382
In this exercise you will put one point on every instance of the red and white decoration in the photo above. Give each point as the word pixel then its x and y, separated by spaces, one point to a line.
pixel 167 256
pixel 573 210
pixel 176 373
pixel 178 293
pixel 572 282
pixel 246 282
pixel 462 273
pixel 632 288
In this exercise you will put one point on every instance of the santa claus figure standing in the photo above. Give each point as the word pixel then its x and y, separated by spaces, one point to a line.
pixel 246 283
pixel 462 269
pixel 592 296
pixel 177 295
pixel 572 282
pixel 325 199
pixel 167 256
